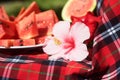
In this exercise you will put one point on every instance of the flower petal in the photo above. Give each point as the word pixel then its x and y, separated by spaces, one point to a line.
pixel 61 30
pixel 51 48
pixel 79 53
pixel 60 54
pixel 79 32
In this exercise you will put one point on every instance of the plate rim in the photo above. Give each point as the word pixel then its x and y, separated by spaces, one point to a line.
pixel 22 47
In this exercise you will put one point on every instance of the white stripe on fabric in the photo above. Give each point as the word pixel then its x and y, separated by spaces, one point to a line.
pixel 50 70
pixel 111 75
pixel 8 68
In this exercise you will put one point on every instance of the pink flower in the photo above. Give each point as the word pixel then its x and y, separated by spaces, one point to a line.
pixel 67 41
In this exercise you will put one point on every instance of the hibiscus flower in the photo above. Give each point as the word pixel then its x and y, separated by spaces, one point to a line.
pixel 67 41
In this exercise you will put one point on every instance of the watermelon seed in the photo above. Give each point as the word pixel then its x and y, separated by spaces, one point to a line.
pixel 0 22
pixel 3 17
pixel 29 25
pixel 21 41
pixel 6 25
pixel 43 22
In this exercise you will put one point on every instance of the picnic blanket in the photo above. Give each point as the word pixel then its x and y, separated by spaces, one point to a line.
pixel 104 63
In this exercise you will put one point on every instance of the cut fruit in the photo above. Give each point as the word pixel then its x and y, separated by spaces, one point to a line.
pixel 16 42
pixel 3 13
pixel 40 40
pixel 27 27
pixel 77 8
pixel 6 42
pixel 45 21
pixel 24 42
pixel 7 29
pixel 32 7
pixel 21 12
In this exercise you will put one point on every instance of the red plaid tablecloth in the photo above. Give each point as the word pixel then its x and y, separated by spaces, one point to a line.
pixel 105 63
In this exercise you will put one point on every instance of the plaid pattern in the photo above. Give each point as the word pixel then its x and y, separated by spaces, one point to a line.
pixel 33 65
pixel 106 55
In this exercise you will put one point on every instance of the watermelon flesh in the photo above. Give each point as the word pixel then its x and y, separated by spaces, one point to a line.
pixel 3 13
pixel 6 43
pixel 24 42
pixel 27 27
pixel 21 11
pixel 77 8
pixel 40 40
pixel 7 29
pixel 32 7
pixel 45 22
pixel 16 42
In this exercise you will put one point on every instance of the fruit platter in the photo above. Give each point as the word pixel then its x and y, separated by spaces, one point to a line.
pixel 28 29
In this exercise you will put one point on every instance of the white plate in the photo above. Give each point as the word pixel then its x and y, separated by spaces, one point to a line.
pixel 23 47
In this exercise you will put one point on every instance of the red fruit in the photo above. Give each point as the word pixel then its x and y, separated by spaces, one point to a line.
pixel 28 42
pixel 12 18
pixel 27 27
pixel 32 7
pixel 77 8
pixel 25 42
pixel 45 21
pixel 21 11
pixel 7 29
pixel 40 40
pixel 6 42
pixel 18 42
pixel 3 14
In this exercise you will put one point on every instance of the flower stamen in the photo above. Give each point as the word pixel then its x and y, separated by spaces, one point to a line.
pixel 57 42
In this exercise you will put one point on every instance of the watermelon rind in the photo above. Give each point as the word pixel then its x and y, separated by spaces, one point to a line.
pixel 64 10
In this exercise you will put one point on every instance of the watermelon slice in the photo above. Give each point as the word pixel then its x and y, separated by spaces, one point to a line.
pixel 18 42
pixel 32 7
pixel 29 42
pixel 40 40
pixel 7 29
pixel 77 8
pixel 27 27
pixel 6 42
pixel 21 11
pixel 45 21
pixel 24 42
pixel 3 13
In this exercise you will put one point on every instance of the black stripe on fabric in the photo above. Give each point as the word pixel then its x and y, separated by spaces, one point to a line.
pixel 118 69
pixel 115 20
pixel 7 78
pixel 75 77
pixel 57 63
pixel 98 46
pixel 118 64
pixel 118 32
pixel 100 29
pixel 108 40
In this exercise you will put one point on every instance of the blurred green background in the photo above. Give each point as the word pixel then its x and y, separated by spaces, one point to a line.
pixel 13 6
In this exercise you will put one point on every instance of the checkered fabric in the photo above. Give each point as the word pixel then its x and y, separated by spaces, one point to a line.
pixel 105 63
